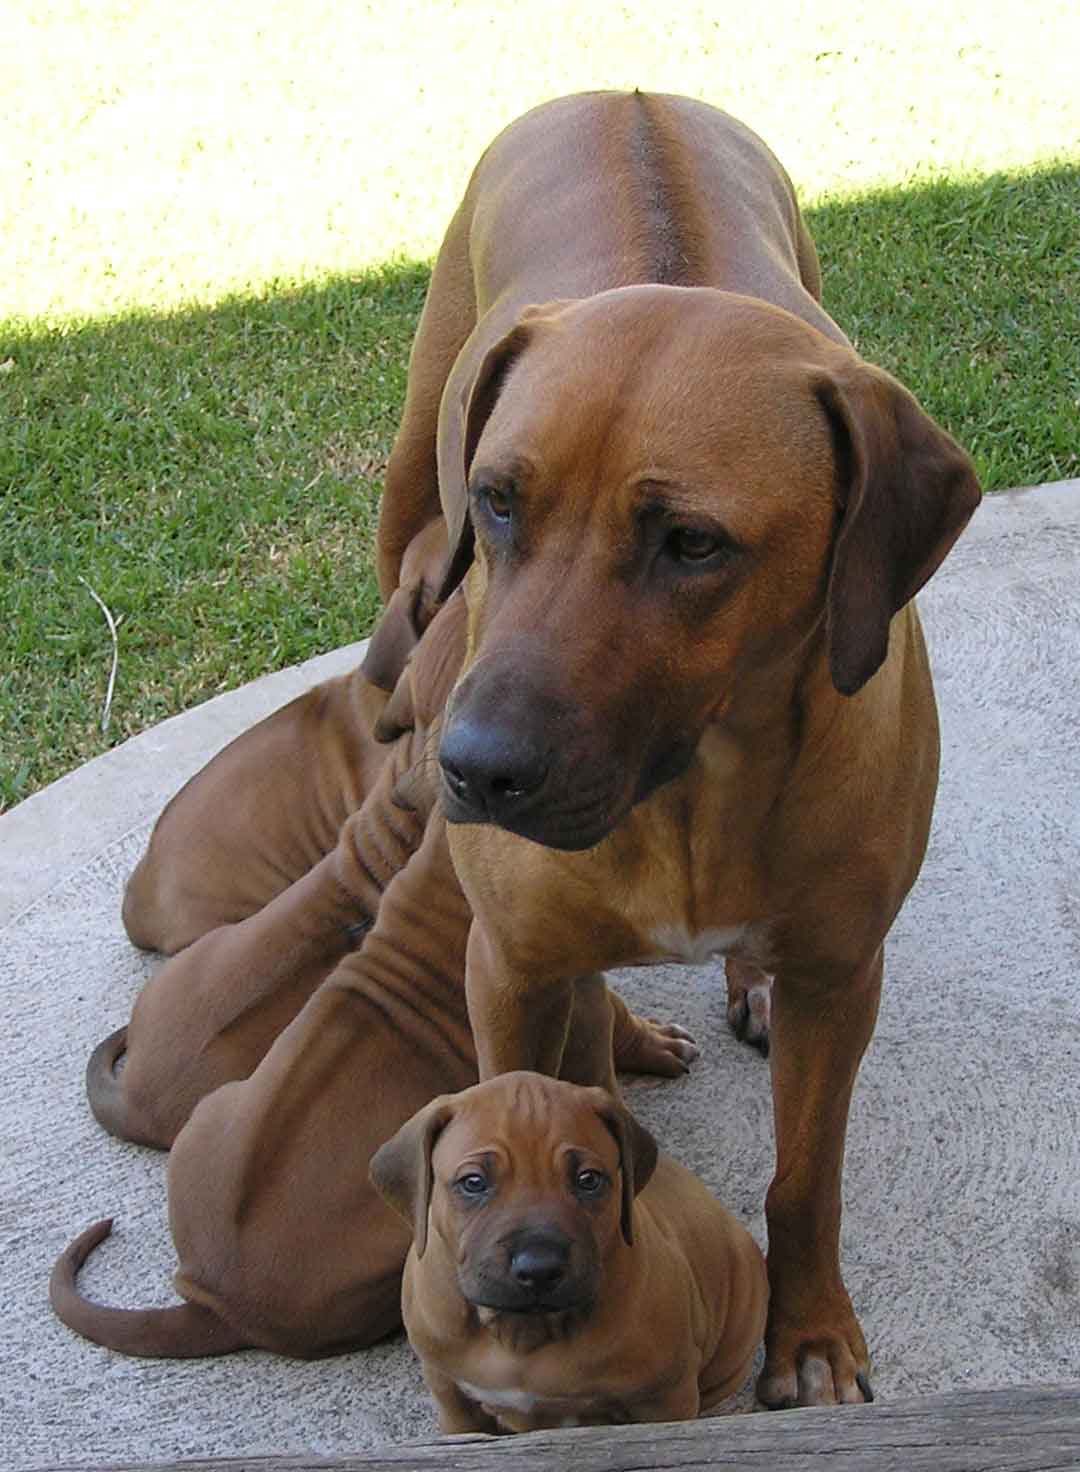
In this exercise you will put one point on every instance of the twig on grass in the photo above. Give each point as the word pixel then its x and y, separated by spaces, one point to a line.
pixel 115 652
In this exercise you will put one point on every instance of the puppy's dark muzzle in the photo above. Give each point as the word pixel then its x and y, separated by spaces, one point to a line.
pixel 537 1276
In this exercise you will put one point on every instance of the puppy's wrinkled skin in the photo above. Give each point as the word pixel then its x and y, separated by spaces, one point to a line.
pixel 561 1272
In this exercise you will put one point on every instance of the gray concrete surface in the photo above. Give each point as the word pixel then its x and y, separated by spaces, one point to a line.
pixel 962 1227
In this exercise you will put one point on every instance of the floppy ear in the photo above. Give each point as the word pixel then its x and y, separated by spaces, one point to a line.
pixel 401 1171
pixel 400 626
pixel 907 491
pixel 461 425
pixel 637 1158
pixel 409 610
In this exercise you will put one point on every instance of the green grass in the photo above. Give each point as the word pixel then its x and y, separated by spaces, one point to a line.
pixel 203 348
pixel 213 476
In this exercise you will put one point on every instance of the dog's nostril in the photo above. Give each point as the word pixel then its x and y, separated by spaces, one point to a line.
pixel 458 782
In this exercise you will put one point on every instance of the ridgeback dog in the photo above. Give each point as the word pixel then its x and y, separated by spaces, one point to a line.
pixel 696 718
pixel 561 1273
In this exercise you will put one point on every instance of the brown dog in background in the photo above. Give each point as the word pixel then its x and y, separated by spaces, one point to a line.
pixel 562 1273
pixel 696 718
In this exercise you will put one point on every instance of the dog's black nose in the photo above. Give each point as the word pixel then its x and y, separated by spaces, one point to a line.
pixel 490 771
pixel 540 1265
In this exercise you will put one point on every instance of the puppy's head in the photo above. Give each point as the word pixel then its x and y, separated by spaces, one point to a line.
pixel 526 1181
pixel 673 499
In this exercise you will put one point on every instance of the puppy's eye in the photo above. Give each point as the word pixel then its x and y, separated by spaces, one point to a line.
pixel 589 1182
pixel 689 544
pixel 496 501
pixel 472 1183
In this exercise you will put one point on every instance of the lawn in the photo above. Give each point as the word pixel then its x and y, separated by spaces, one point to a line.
pixel 220 225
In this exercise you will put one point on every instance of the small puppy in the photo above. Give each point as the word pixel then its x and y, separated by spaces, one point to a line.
pixel 562 1273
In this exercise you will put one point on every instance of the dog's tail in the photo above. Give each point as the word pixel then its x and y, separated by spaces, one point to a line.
pixel 109 1101
pixel 182 1332
pixel 103 1088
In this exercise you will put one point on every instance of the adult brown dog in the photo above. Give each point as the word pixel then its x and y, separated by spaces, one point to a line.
pixel 697 716
pixel 538 1291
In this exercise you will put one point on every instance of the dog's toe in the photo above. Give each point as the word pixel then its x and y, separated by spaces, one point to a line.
pixel 748 1015
pixel 662 1048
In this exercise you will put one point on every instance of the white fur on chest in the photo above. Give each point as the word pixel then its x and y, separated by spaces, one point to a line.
pixel 505 1399
pixel 676 943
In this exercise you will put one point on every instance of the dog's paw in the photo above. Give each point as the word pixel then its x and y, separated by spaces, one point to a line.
pixel 749 1004
pixel 815 1369
pixel 648 1046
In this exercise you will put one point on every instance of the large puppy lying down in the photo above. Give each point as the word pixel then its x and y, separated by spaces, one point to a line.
pixel 562 1273
pixel 697 716
pixel 306 1052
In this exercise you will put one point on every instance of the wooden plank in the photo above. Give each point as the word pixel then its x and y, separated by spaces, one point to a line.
pixel 1015 1430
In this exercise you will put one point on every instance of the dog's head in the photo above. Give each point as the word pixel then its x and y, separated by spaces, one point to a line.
pixel 528 1181
pixel 668 498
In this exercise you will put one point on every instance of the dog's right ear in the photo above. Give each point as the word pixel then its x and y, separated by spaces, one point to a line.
pixel 401 1171
pixel 638 1153
pixel 462 423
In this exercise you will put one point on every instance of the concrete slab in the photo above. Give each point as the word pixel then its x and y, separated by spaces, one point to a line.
pixel 962 1226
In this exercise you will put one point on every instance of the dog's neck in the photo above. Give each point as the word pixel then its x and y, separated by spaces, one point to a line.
pixel 523 1333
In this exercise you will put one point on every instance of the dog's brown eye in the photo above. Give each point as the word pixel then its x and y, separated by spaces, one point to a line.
pixel 497 501
pixel 589 1182
pixel 472 1184
pixel 688 545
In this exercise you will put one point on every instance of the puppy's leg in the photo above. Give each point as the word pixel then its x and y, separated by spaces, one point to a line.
pixel 587 1057
pixel 212 1012
pixel 815 1353
pixel 606 1038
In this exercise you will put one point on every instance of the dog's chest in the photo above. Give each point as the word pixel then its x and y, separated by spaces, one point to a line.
pixel 518 1409
pixel 673 941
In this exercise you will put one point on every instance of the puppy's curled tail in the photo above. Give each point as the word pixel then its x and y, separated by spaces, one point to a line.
pixel 184 1331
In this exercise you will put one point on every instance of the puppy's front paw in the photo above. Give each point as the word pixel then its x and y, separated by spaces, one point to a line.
pixel 648 1046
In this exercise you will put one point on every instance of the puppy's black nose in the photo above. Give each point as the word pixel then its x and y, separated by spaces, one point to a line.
pixel 490 771
pixel 540 1265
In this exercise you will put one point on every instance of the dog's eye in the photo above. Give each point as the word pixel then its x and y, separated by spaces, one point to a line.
pixel 496 501
pixel 472 1184
pixel 590 1182
pixel 687 544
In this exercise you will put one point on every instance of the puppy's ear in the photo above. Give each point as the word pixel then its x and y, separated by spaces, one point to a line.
pixel 409 610
pixel 637 1158
pixel 401 1171
pixel 907 490
pixel 461 425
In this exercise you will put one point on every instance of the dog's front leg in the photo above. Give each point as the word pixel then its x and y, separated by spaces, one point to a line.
pixel 518 1020
pixel 815 1353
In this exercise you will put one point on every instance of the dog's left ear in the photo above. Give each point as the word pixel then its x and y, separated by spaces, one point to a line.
pixel 907 490
pixel 637 1158
pixel 401 1172
pixel 460 428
